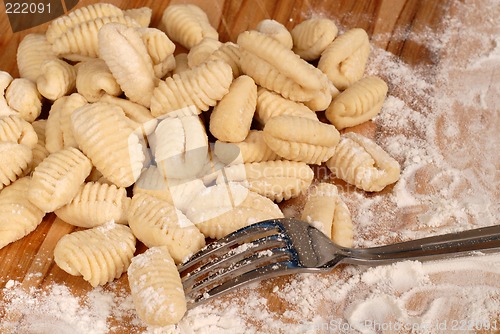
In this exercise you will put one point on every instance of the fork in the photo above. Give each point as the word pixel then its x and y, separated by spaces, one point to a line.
pixel 286 246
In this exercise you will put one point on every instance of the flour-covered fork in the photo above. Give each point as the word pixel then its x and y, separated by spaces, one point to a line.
pixel 287 246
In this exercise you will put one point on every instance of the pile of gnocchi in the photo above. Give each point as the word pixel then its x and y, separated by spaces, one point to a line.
pixel 169 149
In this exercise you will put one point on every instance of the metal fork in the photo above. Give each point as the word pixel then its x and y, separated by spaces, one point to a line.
pixel 287 246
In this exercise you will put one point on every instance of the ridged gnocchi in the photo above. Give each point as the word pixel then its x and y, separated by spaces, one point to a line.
pixel 311 37
pixel 32 52
pixel 231 118
pixel 96 204
pixel 201 86
pixel 271 104
pixel 142 15
pixel 325 210
pixel 357 104
pixel 277 31
pixel 57 179
pixel 344 60
pixel 160 49
pixel 5 80
pixel 105 135
pixel 224 208
pixel 18 216
pixel 16 159
pixel 17 130
pixel 57 78
pixel 252 149
pixel 277 180
pixel 230 53
pixel 100 254
pixel 156 287
pixel 158 223
pixel 361 162
pixel 23 97
pixel 180 146
pixel 200 52
pixel 39 151
pixel 126 55
pixel 187 24
pixel 301 139
pixel 94 79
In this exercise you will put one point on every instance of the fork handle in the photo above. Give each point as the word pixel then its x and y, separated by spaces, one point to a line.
pixel 431 248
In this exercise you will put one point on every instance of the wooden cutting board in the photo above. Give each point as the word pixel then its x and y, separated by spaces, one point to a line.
pixel 30 260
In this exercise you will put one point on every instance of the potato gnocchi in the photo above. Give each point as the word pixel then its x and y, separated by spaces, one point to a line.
pixel 18 216
pixel 325 210
pixel 200 52
pixel 94 79
pixel 277 180
pixel 231 118
pixel 23 97
pixel 361 162
pixel 156 287
pixel 187 24
pixel 252 149
pixel 100 254
pixel 17 130
pixel 224 208
pixel 57 179
pixel 32 52
pixel 312 36
pixel 201 86
pixel 157 223
pixel 344 60
pixel 57 78
pixel 16 159
pixel 277 31
pixel 359 103
pixel 96 204
pixel 301 139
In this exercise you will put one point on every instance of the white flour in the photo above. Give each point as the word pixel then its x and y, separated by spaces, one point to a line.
pixel 449 183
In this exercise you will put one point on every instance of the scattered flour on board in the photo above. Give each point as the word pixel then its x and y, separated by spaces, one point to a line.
pixel 449 182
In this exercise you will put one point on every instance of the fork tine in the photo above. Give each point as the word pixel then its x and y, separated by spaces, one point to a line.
pixel 256 267
pixel 235 255
pixel 223 245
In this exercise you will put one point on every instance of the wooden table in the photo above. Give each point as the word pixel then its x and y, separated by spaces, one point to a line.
pixel 24 260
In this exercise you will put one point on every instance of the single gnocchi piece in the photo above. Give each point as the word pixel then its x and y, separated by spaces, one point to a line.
pixel 277 180
pixel 65 23
pixel 105 135
pixel 301 139
pixel 142 15
pixel 231 118
pixel 23 97
pixel 59 130
pixel 252 149
pixel 39 151
pixel 230 53
pixel 156 287
pixel 311 37
pixel 224 208
pixel 200 53
pixel 100 254
pixel 160 49
pixel 344 60
pixel 57 78
pixel 271 104
pixel 94 79
pixel 201 86
pixel 18 216
pixel 96 204
pixel 187 24
pixel 15 129
pixel 157 223
pixel 82 40
pixel 357 104
pixel 180 146
pixel 32 52
pixel 5 80
pixel 325 210
pixel 361 162
pixel 57 179
pixel 277 31
pixel 126 55
pixel 16 159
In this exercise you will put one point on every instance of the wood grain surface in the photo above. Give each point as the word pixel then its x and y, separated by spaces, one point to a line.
pixel 25 259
